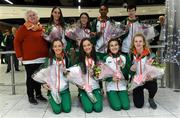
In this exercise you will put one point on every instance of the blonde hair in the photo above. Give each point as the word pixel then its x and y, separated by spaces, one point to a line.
pixel 146 45
pixel 30 11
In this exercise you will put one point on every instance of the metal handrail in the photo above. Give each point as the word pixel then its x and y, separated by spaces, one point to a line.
pixel 7 52
pixel 157 46
pixel 12 70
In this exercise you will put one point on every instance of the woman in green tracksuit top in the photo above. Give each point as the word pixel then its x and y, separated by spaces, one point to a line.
pixel 87 59
pixel 116 86
pixel 60 60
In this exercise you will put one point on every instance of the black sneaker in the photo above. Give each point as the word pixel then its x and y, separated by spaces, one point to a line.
pixel 7 71
pixel 33 101
pixel 17 69
pixel 2 62
pixel 41 98
pixel 152 103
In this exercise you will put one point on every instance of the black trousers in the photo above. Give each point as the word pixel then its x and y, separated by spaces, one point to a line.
pixel 15 60
pixel 138 93
pixel 32 86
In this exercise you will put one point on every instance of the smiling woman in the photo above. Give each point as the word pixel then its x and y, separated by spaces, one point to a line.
pixel 31 16
pixel 30 53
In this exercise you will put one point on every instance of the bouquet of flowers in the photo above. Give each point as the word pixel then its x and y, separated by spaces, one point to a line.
pixel 76 33
pixel 150 72
pixel 158 64
pixel 114 30
pixel 69 32
pixel 48 29
pixel 51 32
pixel 47 75
pixel 118 74
pixel 102 71
pixel 147 30
pixel 74 75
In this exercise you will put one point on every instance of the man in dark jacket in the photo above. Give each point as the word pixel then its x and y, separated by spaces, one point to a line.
pixel 10 47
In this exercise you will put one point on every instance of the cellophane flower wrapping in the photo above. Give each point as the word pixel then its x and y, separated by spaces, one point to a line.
pixel 147 30
pixel 118 74
pixel 102 71
pixel 47 75
pixel 51 32
pixel 74 75
pixel 114 30
pixel 76 33
pixel 150 73
pixel 70 31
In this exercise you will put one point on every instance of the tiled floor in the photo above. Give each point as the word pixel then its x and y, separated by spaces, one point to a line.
pixel 17 106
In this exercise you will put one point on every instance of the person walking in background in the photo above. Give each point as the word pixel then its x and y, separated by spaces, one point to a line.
pixel 10 47
pixel 31 49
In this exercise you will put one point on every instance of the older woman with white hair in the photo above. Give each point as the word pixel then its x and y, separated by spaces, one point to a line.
pixel 31 49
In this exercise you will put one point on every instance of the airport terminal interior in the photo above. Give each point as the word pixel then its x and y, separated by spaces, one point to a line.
pixel 166 45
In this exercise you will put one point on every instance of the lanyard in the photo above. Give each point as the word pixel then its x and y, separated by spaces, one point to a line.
pixel 117 69
pixel 118 63
pixel 59 63
pixel 89 65
pixel 140 66
pixel 102 29
pixel 90 62
pixel 103 26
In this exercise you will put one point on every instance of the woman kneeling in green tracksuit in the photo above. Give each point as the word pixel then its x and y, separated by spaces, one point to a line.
pixel 87 58
pixel 116 86
pixel 58 87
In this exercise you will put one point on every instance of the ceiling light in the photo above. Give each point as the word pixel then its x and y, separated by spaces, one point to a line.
pixel 8 1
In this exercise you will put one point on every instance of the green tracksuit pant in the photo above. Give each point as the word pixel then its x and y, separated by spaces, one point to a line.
pixel 65 104
pixel 87 105
pixel 118 100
